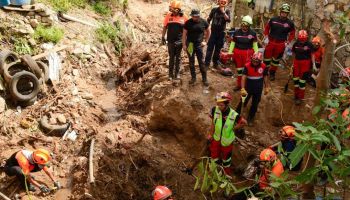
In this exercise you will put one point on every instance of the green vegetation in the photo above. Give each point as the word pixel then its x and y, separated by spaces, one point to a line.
pixel 48 34
pixel 22 47
pixel 111 33
pixel 65 5
pixel 102 8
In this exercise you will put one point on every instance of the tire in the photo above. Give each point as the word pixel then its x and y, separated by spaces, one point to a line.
pixel 45 71
pixel 11 69
pixel 57 130
pixel 30 62
pixel 24 96
pixel 5 57
pixel 27 103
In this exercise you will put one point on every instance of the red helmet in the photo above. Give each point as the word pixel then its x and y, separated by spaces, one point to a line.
pixel 345 72
pixel 288 131
pixel 268 155
pixel 161 193
pixel 302 35
pixel 223 97
pixel 257 56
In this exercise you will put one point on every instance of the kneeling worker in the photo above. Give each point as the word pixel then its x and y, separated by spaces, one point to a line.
pixel 222 131
pixel 23 162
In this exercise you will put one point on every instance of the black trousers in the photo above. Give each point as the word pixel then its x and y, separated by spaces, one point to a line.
pixel 198 52
pixel 215 44
pixel 254 90
pixel 174 50
pixel 16 171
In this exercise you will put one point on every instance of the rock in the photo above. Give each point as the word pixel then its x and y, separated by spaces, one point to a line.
pixel 62 119
pixel 25 124
pixel 47 20
pixel 330 8
pixel 38 17
pixel 87 96
pixel 53 121
pixel 46 13
pixel 75 72
pixel 2 105
pixel 347 62
pixel 34 23
pixel 32 41
pixel 31 13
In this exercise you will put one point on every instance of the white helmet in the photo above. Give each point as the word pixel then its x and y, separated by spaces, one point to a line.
pixel 247 19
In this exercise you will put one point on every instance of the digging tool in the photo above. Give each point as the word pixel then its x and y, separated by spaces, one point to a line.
pixel 289 78
pixel 195 163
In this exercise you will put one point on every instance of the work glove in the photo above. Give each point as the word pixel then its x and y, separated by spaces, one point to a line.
pixel 244 92
pixel 267 90
pixel 44 189
pixel 57 184
pixel 163 41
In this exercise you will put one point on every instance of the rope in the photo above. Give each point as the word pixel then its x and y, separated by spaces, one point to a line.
pixel 25 183
pixel 281 103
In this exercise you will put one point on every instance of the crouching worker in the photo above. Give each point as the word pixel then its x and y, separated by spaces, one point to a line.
pixel 222 131
pixel 23 162
pixel 288 142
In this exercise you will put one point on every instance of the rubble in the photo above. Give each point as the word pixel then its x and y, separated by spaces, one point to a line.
pixel 2 104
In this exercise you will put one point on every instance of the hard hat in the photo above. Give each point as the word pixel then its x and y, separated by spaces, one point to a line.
pixel 247 20
pixel 268 155
pixel 41 156
pixel 316 40
pixel 302 35
pixel 285 8
pixel 161 192
pixel 345 72
pixel 288 131
pixel 175 4
pixel 346 113
pixel 257 56
pixel 223 97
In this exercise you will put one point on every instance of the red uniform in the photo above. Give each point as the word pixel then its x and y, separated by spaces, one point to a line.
pixel 318 54
pixel 243 50
pixel 279 31
pixel 301 66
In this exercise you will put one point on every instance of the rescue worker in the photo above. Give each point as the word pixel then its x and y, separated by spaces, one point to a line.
pixel 302 50
pixel 269 163
pixel 280 32
pixel 162 193
pixel 222 131
pixel 254 78
pixel 195 31
pixel 244 42
pixel 173 27
pixel 318 55
pixel 288 142
pixel 218 17
pixel 23 162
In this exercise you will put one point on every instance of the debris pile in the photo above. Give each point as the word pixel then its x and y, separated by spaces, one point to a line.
pixel 23 76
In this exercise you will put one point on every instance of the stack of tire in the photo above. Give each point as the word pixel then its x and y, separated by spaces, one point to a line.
pixel 23 76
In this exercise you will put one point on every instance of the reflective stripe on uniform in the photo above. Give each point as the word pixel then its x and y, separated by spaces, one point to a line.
pixel 239 71
pixel 227 163
pixel 296 81
pixel 254 77
pixel 302 84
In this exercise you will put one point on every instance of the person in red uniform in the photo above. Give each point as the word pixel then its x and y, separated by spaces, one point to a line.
pixel 244 42
pixel 280 32
pixel 23 162
pixel 318 55
pixel 225 121
pixel 302 50
pixel 254 76
pixel 173 26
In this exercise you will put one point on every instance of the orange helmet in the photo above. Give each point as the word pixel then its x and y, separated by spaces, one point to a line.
pixel 288 131
pixel 346 113
pixel 41 156
pixel 161 193
pixel 316 40
pixel 175 4
pixel 268 155
pixel 223 97
pixel 302 35
pixel 222 2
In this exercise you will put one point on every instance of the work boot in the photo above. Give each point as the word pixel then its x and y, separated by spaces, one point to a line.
pixel 192 81
pixel 206 67
pixel 205 83
pixel 272 76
